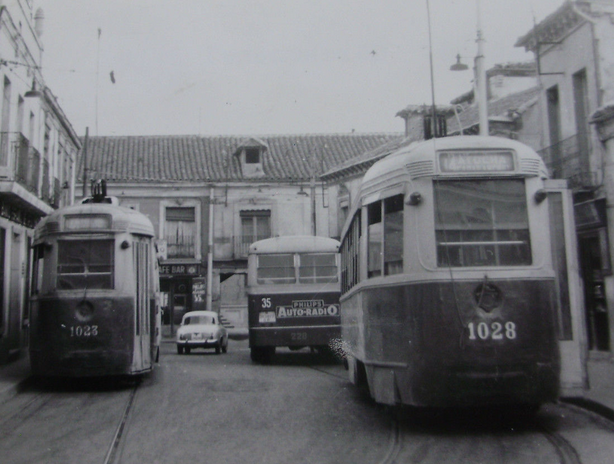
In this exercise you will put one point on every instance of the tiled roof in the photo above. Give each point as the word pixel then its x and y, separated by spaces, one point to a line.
pixel 496 109
pixel 210 158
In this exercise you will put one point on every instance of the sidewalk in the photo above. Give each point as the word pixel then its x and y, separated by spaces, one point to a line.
pixel 600 397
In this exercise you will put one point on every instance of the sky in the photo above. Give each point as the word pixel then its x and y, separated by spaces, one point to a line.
pixel 263 67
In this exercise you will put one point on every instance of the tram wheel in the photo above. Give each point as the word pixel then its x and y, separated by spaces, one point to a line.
pixel 179 349
pixel 187 350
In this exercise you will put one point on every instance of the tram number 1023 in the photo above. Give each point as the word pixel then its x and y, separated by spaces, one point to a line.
pixel 83 330
pixel 492 331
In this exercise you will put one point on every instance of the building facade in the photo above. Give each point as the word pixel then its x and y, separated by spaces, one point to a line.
pixel 575 63
pixel 38 150
pixel 209 198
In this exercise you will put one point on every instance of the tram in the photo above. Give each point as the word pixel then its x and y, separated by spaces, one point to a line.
pixel 453 290
pixel 94 304
pixel 293 295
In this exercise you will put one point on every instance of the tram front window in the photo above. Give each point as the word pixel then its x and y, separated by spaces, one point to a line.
pixel 481 223
pixel 317 268
pixel 276 269
pixel 85 264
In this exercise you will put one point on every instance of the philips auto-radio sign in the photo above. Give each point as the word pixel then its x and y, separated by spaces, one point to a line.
pixel 307 308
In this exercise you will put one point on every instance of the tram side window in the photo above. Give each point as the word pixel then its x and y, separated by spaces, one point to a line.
pixel 276 269
pixel 393 235
pixel 374 236
pixel 349 255
pixel 85 264
pixel 38 268
pixel 317 268
pixel 482 223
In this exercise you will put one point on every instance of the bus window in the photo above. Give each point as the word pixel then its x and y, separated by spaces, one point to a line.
pixel 276 269
pixel 317 268
pixel 393 235
pixel 481 223
pixel 374 236
pixel 85 264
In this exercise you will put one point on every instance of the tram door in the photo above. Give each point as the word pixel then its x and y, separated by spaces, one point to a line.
pixel 143 279
pixel 570 307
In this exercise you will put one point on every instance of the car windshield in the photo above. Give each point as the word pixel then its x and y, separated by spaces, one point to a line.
pixel 199 320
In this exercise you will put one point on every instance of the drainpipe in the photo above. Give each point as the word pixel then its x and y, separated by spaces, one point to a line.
pixel 209 300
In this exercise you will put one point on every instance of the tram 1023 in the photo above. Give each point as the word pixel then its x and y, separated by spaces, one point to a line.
pixel 95 286
pixel 293 295
pixel 459 285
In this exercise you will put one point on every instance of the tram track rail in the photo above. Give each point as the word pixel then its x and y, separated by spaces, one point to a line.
pixel 113 455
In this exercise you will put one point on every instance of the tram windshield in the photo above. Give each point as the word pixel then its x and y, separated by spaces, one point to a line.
pixel 482 223
pixel 85 264
pixel 317 268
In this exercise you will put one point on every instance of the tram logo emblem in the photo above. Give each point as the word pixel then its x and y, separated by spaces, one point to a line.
pixel 488 296
pixel 84 311
pixel 308 308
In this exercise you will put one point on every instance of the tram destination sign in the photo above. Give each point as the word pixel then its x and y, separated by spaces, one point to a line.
pixel 476 161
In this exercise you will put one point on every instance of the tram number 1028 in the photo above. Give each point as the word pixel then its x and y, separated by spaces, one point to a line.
pixel 492 331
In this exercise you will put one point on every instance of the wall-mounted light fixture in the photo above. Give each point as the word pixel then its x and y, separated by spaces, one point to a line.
pixel 33 92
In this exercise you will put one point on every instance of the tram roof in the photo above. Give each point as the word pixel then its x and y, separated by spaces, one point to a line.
pixel 295 244
pixel 124 219
pixel 425 151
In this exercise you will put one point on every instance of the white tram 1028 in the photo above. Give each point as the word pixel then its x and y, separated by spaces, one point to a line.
pixel 94 305
pixel 459 282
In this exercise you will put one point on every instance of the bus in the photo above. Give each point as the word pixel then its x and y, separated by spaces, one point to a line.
pixel 293 295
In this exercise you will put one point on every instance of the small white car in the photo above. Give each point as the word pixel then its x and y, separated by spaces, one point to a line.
pixel 201 329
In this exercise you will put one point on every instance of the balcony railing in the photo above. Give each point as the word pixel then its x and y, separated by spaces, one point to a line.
pixel 180 246
pixel 241 244
pixel 569 159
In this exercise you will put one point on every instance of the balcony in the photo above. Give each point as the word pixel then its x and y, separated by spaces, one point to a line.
pixel 569 159
pixel 241 244
pixel 180 246
pixel 20 177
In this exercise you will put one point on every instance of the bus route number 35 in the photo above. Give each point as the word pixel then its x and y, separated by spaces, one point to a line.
pixel 492 331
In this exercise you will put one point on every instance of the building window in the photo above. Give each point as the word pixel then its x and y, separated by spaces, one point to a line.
pixel 180 233
pixel 554 114
pixel 255 225
pixel 252 156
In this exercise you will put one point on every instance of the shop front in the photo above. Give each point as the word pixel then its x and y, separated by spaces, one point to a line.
pixel 176 288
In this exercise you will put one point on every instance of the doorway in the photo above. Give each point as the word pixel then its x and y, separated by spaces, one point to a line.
pixel 592 264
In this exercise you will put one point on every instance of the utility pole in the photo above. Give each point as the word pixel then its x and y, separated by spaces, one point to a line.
pixel 481 87
pixel 87 132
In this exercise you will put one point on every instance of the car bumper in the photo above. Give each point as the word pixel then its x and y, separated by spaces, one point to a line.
pixel 209 343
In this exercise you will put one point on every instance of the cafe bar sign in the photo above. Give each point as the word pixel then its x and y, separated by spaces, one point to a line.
pixel 180 269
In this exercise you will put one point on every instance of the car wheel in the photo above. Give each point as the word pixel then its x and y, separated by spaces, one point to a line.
pixel 187 350
pixel 218 349
pixel 179 349
pixel 225 347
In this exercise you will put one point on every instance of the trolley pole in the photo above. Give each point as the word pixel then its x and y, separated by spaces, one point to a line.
pixel 209 300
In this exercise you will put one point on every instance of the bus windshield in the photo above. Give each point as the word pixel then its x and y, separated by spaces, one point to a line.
pixel 276 269
pixel 85 264
pixel 317 268
pixel 482 223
